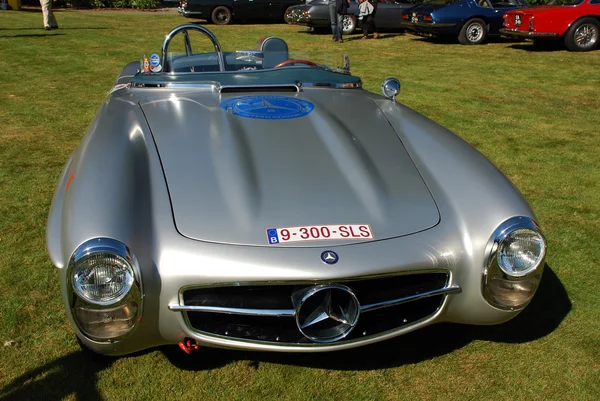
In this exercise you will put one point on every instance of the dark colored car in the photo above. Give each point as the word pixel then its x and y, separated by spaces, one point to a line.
pixel 222 12
pixel 471 21
pixel 315 14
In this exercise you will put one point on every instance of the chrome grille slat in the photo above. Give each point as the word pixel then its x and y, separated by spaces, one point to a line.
pixel 264 312
pixel 291 313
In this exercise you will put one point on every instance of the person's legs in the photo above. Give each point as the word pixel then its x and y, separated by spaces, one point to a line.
pixel 365 26
pixel 333 20
pixel 373 26
pixel 340 24
pixel 49 19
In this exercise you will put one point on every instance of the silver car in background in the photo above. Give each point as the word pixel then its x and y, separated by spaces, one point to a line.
pixel 315 15
pixel 257 201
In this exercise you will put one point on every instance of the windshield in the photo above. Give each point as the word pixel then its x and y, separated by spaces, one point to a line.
pixel 192 53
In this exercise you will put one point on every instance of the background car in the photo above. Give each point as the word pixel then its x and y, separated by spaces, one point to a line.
pixel 315 14
pixel 222 12
pixel 470 21
pixel 577 24
pixel 252 200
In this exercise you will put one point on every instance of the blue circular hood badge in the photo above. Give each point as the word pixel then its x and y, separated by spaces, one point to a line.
pixel 330 257
pixel 268 107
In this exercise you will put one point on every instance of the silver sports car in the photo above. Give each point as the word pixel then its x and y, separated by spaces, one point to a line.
pixel 257 201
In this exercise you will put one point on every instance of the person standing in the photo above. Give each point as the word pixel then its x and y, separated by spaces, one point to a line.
pixel 333 20
pixel 365 10
pixel 341 8
pixel 49 20
pixel 371 18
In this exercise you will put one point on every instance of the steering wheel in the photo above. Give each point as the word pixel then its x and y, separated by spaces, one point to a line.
pixel 295 61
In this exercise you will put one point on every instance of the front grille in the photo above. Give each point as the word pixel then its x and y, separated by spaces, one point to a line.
pixel 372 294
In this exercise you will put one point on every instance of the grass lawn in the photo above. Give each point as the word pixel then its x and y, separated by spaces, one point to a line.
pixel 536 115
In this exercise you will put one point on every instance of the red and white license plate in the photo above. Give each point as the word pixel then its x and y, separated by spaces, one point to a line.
pixel 314 233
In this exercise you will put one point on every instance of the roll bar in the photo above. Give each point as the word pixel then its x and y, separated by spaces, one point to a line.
pixel 188 46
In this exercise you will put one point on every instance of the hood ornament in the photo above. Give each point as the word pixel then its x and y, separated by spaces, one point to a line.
pixel 326 313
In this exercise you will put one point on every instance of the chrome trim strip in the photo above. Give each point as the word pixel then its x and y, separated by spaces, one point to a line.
pixel 308 283
pixel 291 313
pixel 527 34
pixel 234 311
pixel 442 291
pixel 213 86
pixel 329 85
pixel 191 86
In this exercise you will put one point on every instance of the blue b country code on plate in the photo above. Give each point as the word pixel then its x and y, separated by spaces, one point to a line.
pixel 319 233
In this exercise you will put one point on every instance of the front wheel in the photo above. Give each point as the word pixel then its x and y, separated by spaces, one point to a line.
pixel 583 35
pixel 473 32
pixel 349 24
pixel 221 15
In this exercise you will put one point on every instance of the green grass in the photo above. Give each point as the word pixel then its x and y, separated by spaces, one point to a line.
pixel 534 114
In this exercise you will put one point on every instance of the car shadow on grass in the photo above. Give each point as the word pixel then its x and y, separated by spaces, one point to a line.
pixel 541 46
pixel 76 374
pixel 544 314
pixel 31 35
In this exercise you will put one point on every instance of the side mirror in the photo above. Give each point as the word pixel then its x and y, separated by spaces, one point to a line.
pixel 390 88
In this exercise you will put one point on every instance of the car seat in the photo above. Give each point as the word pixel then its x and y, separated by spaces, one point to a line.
pixel 274 50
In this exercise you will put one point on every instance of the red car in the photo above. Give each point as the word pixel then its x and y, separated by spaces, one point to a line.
pixel 578 24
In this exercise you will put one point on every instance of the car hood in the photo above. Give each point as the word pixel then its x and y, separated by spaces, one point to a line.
pixel 230 177
pixel 539 9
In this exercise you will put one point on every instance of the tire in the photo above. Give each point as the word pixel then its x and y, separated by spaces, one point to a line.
pixel 583 35
pixel 473 32
pixel 349 24
pixel 221 15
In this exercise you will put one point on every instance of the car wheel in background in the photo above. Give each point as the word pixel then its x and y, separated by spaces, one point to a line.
pixel 583 35
pixel 349 24
pixel 221 15
pixel 473 32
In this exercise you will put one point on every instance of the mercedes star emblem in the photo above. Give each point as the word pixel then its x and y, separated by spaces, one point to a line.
pixel 330 257
pixel 326 312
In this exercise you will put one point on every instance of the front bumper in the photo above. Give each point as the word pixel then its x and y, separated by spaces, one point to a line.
pixel 516 33
pixel 183 11
pixel 429 29
pixel 183 264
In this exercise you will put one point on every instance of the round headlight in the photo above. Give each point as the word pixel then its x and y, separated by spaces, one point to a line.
pixel 521 252
pixel 102 277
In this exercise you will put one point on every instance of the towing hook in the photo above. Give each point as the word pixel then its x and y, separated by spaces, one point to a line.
pixel 188 345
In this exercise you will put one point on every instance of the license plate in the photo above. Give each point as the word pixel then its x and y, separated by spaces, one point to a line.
pixel 517 20
pixel 414 18
pixel 319 233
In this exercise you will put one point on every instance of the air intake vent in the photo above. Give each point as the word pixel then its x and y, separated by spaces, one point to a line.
pixel 260 88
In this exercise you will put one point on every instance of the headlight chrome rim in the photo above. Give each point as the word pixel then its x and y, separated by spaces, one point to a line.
pixel 98 248
pixel 129 302
pixel 494 273
pixel 501 244
pixel 123 275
